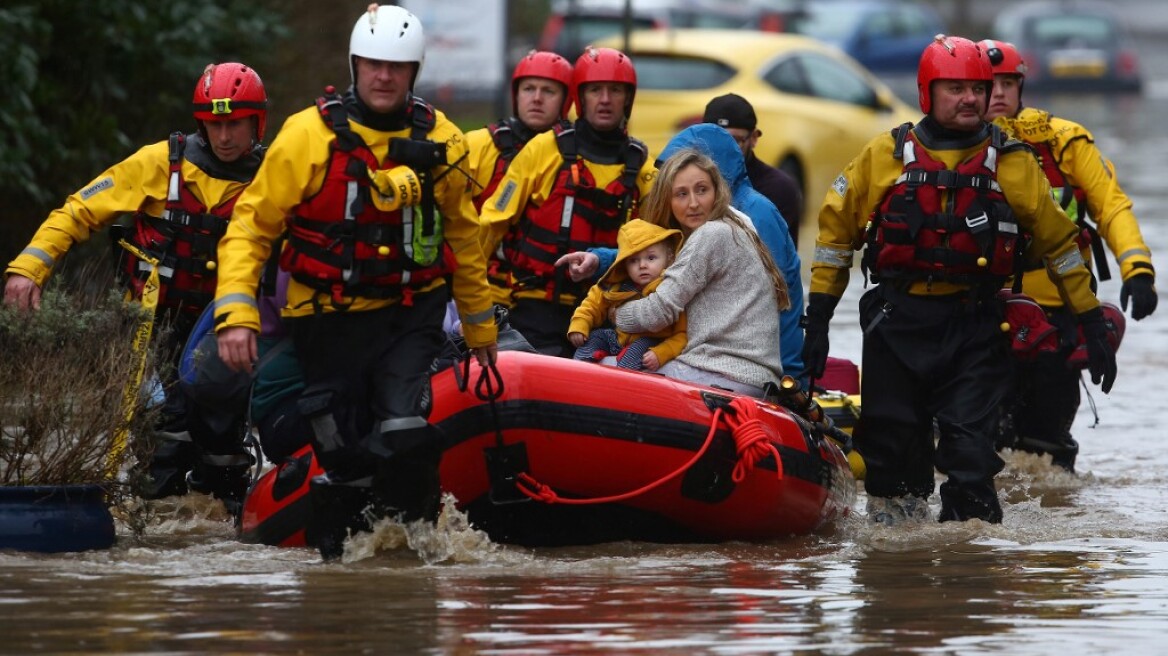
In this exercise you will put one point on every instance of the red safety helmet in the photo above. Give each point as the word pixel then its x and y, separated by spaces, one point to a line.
pixel 230 91
pixel 547 65
pixel 603 65
pixel 951 58
pixel 1004 57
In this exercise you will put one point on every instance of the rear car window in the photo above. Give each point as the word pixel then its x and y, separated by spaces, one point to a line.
pixel 707 19
pixel 827 24
pixel 810 74
pixel 580 31
pixel 679 73
pixel 1073 31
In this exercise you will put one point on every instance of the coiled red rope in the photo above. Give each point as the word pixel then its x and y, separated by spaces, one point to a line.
pixel 750 438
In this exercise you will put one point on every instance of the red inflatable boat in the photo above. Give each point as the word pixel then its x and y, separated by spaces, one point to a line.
pixel 557 452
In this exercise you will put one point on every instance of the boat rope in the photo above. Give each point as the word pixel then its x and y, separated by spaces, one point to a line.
pixel 750 438
pixel 461 363
pixel 486 390
pixel 1090 399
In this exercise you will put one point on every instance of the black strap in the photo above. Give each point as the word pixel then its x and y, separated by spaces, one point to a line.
pixel 272 267
pixel 202 221
pixel 900 133
pixel 176 143
pixel 1097 251
pixel 332 109
pixel 422 121
pixel 504 137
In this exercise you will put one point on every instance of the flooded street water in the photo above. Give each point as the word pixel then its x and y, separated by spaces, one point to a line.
pixel 1080 564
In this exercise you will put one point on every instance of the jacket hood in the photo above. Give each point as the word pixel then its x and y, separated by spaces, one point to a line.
pixel 715 142
pixel 634 236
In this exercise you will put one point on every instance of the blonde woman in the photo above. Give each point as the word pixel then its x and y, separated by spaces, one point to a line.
pixel 724 280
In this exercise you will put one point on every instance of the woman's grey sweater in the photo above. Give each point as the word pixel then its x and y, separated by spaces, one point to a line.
pixel 720 282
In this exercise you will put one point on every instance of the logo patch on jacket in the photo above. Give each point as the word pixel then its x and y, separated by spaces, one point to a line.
pixel 97 187
pixel 505 196
pixel 840 185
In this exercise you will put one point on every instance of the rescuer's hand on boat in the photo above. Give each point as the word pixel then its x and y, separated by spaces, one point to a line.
pixel 486 355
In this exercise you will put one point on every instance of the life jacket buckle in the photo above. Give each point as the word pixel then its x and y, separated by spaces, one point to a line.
pixel 946 179
pixel 976 222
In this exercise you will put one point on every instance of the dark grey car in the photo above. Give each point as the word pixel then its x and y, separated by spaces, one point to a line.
pixel 1071 46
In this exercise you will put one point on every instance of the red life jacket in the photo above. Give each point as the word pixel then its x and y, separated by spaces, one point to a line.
pixel 340 244
pixel 1066 194
pixel 508 139
pixel 509 142
pixel 973 238
pixel 576 216
pixel 185 239
pixel 508 135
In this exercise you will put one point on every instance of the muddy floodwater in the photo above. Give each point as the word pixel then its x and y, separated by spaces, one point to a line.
pixel 1079 566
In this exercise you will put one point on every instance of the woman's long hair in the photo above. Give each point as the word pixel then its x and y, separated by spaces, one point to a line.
pixel 658 209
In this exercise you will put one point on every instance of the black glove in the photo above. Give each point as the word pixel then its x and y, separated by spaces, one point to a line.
pixel 1100 355
pixel 1141 288
pixel 820 307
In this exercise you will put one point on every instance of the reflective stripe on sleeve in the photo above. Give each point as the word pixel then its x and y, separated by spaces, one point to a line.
pixel 246 299
pixel 40 255
pixel 1067 261
pixel 1133 252
pixel 480 317
pixel 839 258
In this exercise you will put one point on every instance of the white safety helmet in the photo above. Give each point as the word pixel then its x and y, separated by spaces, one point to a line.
pixel 387 33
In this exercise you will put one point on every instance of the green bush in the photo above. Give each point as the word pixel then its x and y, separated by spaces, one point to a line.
pixel 62 379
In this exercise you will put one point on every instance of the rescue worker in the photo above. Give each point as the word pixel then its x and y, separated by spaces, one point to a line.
pixel 180 193
pixel 1084 182
pixel 941 208
pixel 378 217
pixel 736 115
pixel 568 190
pixel 539 102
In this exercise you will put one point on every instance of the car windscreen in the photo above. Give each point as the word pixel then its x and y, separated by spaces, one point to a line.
pixel 1072 32
pixel 681 73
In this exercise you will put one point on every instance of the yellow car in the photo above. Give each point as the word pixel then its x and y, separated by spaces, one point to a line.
pixel 816 106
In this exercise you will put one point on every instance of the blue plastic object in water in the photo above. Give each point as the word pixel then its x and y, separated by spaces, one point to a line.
pixel 55 518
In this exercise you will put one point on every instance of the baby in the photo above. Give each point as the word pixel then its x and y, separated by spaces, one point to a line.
pixel 644 251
